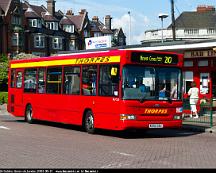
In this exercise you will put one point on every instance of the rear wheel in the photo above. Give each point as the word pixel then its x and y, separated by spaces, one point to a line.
pixel 28 114
pixel 89 122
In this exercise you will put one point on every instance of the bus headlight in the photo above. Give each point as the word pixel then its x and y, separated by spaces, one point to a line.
pixel 127 117
pixel 177 117
pixel 179 110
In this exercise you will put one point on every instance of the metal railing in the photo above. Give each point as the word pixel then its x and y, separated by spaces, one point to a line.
pixel 206 109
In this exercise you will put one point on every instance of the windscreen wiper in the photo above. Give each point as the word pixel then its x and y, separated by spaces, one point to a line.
pixel 142 99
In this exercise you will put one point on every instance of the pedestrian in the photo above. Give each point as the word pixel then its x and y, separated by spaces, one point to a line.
pixel 194 96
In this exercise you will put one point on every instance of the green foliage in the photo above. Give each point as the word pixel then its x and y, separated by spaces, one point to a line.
pixel 3 97
pixel 3 69
pixel 114 42
pixel 24 56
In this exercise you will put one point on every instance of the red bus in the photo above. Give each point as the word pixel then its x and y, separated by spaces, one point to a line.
pixel 112 89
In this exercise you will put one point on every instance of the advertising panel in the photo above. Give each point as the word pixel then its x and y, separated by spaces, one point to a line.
pixel 98 42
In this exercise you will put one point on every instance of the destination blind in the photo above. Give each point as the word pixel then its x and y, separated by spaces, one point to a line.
pixel 154 58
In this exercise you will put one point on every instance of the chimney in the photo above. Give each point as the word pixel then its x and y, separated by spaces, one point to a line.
pixel 70 13
pixel 82 11
pixel 95 18
pixel 205 8
pixel 51 6
pixel 108 19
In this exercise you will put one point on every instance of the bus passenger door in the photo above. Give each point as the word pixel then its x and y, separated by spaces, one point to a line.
pixel 16 93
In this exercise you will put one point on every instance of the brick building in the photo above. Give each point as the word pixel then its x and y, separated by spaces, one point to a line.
pixel 44 31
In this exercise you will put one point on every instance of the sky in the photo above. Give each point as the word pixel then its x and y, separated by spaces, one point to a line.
pixel 143 13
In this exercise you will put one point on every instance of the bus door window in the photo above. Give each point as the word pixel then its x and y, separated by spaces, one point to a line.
pixel 19 79
pixel 89 80
pixel 30 80
pixel 109 80
pixel 54 80
pixel 71 80
pixel 41 80
pixel 13 78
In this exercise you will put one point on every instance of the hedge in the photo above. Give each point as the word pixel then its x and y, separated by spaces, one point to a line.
pixel 3 97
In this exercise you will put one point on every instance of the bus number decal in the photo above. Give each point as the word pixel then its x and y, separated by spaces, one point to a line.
pixel 168 60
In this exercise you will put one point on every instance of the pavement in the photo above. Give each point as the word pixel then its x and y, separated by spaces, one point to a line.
pixel 191 126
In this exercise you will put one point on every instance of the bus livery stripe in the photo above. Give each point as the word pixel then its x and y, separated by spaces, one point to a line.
pixel 93 60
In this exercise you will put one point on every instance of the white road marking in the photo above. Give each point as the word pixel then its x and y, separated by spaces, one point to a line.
pixel 3 127
pixel 124 154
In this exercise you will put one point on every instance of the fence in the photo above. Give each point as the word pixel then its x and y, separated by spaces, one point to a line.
pixel 206 109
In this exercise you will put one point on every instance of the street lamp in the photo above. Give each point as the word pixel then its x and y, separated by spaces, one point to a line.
pixel 129 13
pixel 162 16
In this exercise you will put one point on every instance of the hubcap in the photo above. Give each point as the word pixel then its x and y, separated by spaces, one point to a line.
pixel 29 113
pixel 90 122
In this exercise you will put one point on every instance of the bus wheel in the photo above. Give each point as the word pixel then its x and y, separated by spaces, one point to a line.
pixel 89 122
pixel 28 114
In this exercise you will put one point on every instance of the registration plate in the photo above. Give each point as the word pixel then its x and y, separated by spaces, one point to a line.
pixel 155 126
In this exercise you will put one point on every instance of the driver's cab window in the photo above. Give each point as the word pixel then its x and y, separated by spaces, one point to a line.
pixel 138 82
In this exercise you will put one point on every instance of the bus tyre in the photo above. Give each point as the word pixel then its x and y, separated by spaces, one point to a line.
pixel 89 122
pixel 28 114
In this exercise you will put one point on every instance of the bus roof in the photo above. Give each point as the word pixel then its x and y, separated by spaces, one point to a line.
pixel 79 57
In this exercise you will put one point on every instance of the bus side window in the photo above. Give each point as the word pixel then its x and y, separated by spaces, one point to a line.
pixel 19 79
pixel 30 80
pixel 54 80
pixel 13 78
pixel 109 80
pixel 71 80
pixel 89 80
pixel 41 80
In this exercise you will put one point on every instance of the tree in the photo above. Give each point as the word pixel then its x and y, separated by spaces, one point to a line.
pixel 115 42
pixel 3 72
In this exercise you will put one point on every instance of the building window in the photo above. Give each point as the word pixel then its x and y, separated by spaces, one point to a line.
pixel 52 25
pixel 203 63
pixel 35 23
pixel 97 34
pixel 191 31
pixel 72 45
pixel 16 20
pixel 39 41
pixel 86 33
pixel 188 79
pixel 57 43
pixel 211 31
pixel 15 41
pixel 204 83
pixel 68 28
pixel 188 63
